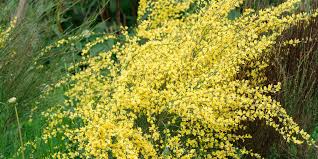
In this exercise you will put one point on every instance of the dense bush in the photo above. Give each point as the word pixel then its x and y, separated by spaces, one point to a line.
pixel 191 80
pixel 183 86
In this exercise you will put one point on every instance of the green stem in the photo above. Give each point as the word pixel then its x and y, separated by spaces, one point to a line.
pixel 19 130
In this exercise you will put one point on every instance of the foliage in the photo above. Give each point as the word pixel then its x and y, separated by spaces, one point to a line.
pixel 27 70
pixel 182 87
pixel 5 34
pixel 294 65
pixel 96 15
pixel 20 78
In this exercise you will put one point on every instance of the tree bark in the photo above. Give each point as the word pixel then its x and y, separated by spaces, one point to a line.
pixel 20 14
pixel 118 20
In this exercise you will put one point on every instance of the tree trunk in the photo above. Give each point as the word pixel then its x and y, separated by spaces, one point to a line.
pixel 118 14
pixel 21 10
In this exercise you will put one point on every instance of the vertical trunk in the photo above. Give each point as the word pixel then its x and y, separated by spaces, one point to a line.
pixel 134 8
pixel 118 12
pixel 105 13
pixel 21 10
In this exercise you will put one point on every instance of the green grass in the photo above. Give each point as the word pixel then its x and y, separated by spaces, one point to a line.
pixel 20 78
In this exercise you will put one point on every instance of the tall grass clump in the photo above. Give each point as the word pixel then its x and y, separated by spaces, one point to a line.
pixel 183 86
pixel 22 76
pixel 32 58
pixel 20 80
pixel 296 66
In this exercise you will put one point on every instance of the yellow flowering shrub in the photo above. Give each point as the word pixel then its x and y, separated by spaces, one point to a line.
pixel 5 34
pixel 181 87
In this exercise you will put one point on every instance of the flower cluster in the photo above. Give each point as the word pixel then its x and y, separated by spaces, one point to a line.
pixel 5 34
pixel 182 87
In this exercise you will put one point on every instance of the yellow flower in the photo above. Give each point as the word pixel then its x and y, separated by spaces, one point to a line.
pixel 183 85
